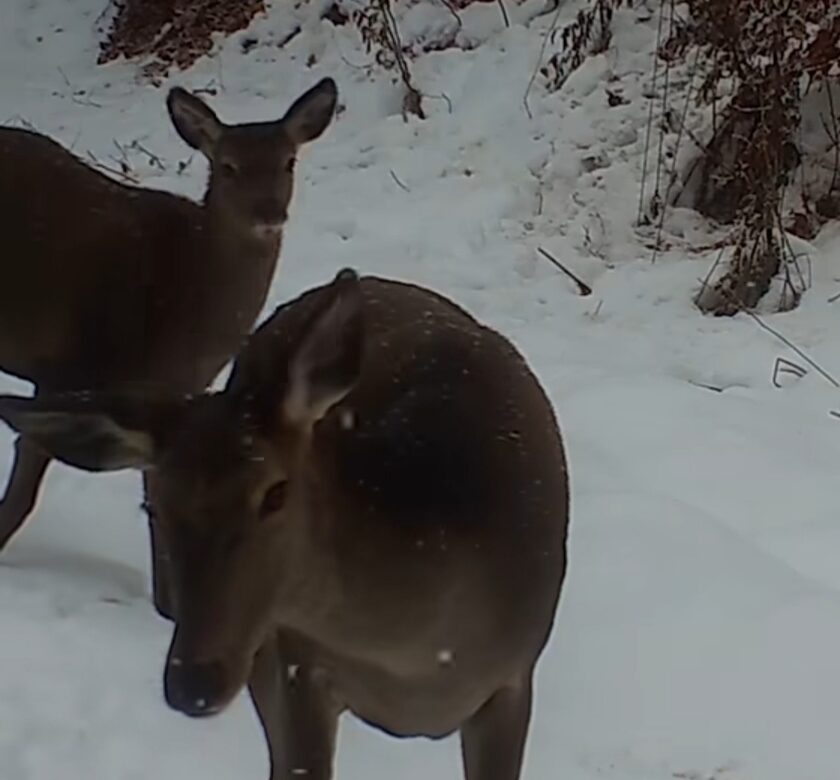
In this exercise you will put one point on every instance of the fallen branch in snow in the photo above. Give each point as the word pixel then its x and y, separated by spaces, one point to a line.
pixel 790 345
pixel 584 288
pixel 713 388
pixel 399 183
pixel 785 366
pixel 504 12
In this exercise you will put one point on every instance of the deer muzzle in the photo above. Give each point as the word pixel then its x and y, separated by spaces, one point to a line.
pixel 195 689
pixel 198 687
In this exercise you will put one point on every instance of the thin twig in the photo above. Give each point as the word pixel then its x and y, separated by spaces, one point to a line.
pixel 665 95
pixel 413 99
pixel 790 345
pixel 704 286
pixel 122 174
pixel 649 128
pixel 785 366
pixel 504 12
pixel 399 183
pixel 151 156
pixel 673 174
pixel 836 136
pixel 85 102
pixel 442 96
pixel 584 288
pixel 713 388
pixel 454 12
pixel 76 95
pixel 183 165
pixel 552 27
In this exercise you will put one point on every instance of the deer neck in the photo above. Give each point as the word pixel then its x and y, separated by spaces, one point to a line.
pixel 244 261
pixel 236 241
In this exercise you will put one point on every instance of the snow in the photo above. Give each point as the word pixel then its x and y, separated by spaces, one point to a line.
pixel 700 624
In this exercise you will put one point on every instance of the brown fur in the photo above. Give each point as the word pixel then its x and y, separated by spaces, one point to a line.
pixel 110 286
pixel 372 518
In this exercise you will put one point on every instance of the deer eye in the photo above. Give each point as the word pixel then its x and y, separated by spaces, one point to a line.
pixel 229 169
pixel 290 164
pixel 273 499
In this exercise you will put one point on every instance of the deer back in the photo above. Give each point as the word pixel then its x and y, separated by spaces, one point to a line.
pixel 446 445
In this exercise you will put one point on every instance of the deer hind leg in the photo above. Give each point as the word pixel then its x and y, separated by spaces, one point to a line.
pixel 161 579
pixel 493 739
pixel 28 470
pixel 298 717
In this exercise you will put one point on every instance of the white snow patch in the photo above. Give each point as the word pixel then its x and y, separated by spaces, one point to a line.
pixel 700 627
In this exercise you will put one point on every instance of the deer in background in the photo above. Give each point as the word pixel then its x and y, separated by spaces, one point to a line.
pixel 108 286
pixel 371 517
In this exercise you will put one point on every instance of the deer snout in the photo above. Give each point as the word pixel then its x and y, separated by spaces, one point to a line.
pixel 196 689
pixel 270 213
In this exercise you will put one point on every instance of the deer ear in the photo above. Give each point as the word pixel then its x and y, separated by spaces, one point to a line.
pixel 311 113
pixel 94 433
pixel 194 120
pixel 326 363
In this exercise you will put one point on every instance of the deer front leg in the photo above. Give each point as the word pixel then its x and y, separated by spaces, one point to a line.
pixel 161 579
pixel 30 465
pixel 493 739
pixel 298 716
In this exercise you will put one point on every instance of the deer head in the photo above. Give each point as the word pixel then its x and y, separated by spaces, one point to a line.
pixel 235 502
pixel 252 165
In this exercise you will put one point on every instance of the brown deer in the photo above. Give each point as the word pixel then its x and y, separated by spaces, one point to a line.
pixel 371 517
pixel 112 286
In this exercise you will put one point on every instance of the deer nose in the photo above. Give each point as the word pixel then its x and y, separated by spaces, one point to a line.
pixel 196 689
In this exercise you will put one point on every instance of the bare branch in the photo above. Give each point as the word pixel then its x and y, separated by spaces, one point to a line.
pixel 583 287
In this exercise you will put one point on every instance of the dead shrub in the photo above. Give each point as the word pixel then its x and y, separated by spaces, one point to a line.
pixel 760 58
pixel 172 33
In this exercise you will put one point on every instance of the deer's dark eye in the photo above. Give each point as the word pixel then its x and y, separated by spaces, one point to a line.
pixel 273 499
pixel 229 169
pixel 290 164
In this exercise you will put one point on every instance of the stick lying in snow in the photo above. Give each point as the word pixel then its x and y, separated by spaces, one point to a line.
pixel 584 288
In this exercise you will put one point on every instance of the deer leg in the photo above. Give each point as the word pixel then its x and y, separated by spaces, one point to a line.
pixel 28 469
pixel 493 739
pixel 161 586
pixel 161 581
pixel 298 717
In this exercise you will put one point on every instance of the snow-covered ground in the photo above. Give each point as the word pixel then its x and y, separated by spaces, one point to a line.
pixel 699 631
